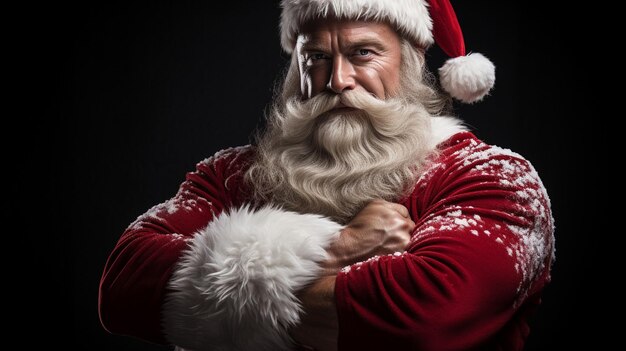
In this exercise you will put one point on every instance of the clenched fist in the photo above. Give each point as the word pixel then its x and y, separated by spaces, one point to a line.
pixel 380 228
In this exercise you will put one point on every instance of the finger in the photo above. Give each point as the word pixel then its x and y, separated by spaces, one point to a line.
pixel 403 211
pixel 409 224
pixel 404 224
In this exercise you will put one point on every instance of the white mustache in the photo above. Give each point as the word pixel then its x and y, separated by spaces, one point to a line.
pixel 357 99
pixel 388 117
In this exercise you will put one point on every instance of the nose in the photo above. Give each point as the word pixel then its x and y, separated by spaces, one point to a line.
pixel 341 76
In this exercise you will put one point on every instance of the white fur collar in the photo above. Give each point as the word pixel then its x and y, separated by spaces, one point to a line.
pixel 443 127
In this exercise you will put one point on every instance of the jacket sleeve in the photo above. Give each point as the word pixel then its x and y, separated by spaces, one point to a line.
pixel 205 271
pixel 133 285
pixel 482 246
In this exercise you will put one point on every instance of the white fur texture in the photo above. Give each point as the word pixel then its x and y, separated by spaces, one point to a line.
pixel 234 287
pixel 411 17
pixel 443 127
pixel 468 78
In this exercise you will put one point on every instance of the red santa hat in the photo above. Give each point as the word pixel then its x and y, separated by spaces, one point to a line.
pixel 467 78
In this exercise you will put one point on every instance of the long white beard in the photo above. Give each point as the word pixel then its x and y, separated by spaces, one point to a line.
pixel 315 160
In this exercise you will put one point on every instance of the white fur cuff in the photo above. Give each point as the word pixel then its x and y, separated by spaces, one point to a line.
pixel 234 287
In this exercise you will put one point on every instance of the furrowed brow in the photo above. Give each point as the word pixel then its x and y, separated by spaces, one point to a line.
pixel 360 43
pixel 316 46
pixel 313 46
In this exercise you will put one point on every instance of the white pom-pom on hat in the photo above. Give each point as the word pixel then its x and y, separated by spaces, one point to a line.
pixel 466 78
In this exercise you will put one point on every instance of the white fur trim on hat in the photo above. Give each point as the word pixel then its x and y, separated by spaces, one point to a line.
pixel 468 78
pixel 234 288
pixel 410 17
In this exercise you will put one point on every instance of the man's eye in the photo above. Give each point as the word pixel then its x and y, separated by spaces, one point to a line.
pixel 317 56
pixel 363 52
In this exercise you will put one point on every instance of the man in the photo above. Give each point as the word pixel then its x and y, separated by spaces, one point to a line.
pixel 363 219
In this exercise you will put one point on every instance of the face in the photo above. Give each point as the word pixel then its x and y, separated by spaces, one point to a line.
pixel 335 56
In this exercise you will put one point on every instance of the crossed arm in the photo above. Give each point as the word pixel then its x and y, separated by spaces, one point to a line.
pixel 380 228
pixel 481 240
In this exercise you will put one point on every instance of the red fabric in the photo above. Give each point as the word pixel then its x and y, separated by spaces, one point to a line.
pixel 455 289
pixel 451 290
pixel 133 285
pixel 446 28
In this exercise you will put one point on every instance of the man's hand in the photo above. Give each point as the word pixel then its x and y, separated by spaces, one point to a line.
pixel 380 228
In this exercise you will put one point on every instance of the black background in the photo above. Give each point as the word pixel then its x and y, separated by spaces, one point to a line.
pixel 141 91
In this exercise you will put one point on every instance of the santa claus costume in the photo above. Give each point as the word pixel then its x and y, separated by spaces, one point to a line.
pixel 206 270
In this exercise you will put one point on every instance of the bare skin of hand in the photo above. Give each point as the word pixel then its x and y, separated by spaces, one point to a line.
pixel 380 228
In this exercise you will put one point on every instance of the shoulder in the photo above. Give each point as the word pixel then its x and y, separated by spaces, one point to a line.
pixel 224 170
pixel 488 183
pixel 467 169
pixel 228 160
pixel 463 154
pixel 229 155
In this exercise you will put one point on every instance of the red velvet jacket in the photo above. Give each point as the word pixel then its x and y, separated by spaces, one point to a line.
pixel 475 267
